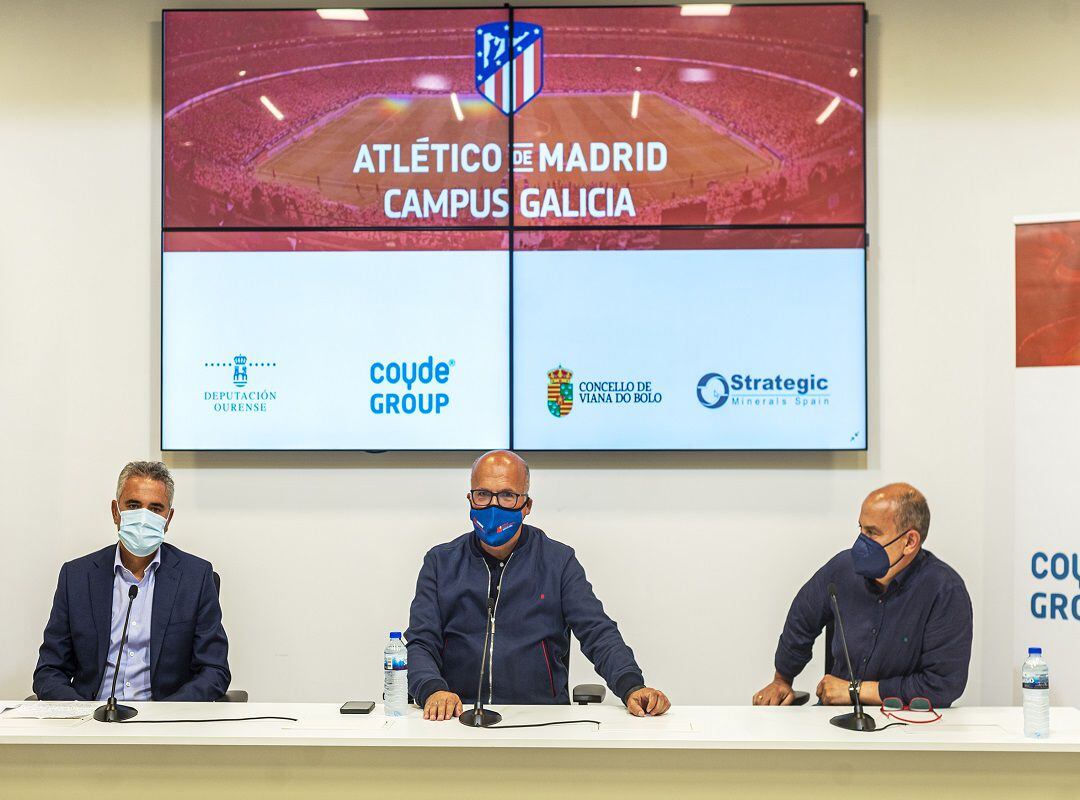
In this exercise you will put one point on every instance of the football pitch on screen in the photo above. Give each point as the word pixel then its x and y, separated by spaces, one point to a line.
pixel 699 150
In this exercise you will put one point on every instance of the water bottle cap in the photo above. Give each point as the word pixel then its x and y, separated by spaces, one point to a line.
pixel 1034 651
pixel 395 634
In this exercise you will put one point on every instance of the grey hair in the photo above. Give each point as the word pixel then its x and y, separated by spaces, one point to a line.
pixel 524 463
pixel 913 512
pixel 154 470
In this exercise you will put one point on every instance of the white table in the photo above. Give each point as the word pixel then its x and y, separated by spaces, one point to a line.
pixel 692 751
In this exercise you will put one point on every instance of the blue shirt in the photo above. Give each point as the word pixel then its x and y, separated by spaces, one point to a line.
pixel 134 680
pixel 914 637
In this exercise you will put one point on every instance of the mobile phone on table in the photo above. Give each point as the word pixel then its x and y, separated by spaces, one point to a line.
pixel 358 707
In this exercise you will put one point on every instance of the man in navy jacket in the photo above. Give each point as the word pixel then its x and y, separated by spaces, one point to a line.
pixel 540 595
pixel 176 647
pixel 906 613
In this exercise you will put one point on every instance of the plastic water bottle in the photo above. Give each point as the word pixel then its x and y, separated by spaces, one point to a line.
pixel 395 677
pixel 1036 677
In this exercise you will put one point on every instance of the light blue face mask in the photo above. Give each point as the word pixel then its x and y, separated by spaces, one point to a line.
pixel 141 531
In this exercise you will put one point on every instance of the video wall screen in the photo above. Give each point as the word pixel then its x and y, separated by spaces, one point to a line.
pixel 540 228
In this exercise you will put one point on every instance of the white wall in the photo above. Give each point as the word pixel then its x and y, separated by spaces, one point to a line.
pixel 973 119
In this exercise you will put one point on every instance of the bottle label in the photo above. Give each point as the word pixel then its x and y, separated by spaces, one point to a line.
pixel 390 662
pixel 1039 682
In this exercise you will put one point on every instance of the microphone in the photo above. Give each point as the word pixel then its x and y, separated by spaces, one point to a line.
pixel 857 720
pixel 478 716
pixel 111 712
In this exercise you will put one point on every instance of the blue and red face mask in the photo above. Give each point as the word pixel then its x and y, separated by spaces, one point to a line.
pixel 496 526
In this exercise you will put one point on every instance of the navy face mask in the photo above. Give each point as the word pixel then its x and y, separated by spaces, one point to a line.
pixel 495 526
pixel 870 558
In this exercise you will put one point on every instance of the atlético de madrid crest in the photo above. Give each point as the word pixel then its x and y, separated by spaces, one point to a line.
pixel 508 80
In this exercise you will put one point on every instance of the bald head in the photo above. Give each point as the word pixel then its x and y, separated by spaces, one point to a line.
pixel 500 469
pixel 904 504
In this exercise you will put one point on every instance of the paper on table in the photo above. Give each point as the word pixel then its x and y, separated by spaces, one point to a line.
pixel 42 710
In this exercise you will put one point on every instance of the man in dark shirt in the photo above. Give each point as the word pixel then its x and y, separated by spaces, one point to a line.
pixel 906 613
pixel 539 595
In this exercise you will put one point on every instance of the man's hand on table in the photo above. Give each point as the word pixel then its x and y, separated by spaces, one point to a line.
pixel 643 702
pixel 833 691
pixel 647 702
pixel 777 693
pixel 442 705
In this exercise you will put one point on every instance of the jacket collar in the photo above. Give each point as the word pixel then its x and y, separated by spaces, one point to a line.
pixel 118 565
pixel 523 541
pixel 106 557
pixel 911 569
pixel 902 578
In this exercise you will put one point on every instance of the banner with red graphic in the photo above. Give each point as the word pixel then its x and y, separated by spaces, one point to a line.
pixel 1048 445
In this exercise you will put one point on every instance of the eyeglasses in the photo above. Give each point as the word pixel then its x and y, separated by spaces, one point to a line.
pixel 890 705
pixel 482 498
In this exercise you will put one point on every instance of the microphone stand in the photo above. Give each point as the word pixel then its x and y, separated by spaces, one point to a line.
pixel 478 716
pixel 857 720
pixel 111 712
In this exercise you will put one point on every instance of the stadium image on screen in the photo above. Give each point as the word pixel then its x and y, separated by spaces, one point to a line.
pixel 545 228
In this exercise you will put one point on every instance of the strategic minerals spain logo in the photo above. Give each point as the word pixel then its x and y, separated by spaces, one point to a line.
pixel 560 391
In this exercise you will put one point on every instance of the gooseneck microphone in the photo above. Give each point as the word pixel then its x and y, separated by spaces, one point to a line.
pixel 478 716
pixel 857 720
pixel 111 712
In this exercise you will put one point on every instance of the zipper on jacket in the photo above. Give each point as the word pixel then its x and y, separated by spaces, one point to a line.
pixel 491 652
pixel 485 627
pixel 547 663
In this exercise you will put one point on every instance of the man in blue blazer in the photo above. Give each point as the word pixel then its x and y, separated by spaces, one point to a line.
pixel 176 647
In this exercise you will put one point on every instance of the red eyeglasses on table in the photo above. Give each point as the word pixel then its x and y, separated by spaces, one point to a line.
pixel 918 705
